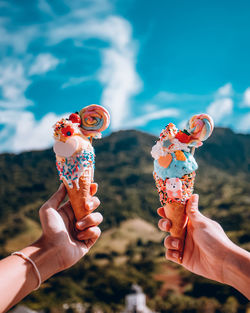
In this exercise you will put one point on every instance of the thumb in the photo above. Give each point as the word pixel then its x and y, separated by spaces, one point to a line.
pixel 192 209
pixel 56 199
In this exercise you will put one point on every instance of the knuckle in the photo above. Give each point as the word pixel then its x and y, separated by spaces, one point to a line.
pixel 216 224
pixel 43 208
pixel 167 254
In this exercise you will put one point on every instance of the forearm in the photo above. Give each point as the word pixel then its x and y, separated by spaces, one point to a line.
pixel 18 277
pixel 237 270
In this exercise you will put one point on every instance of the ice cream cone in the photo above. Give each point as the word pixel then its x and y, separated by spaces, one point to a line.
pixel 75 156
pixel 176 213
pixel 175 208
pixel 78 196
pixel 174 170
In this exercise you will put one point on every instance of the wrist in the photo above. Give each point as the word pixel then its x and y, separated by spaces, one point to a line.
pixel 43 256
pixel 237 269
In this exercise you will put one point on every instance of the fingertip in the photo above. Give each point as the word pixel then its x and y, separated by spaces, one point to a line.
pixel 93 189
pixel 173 243
pixel 173 255
pixel 161 212
pixel 90 220
pixel 90 233
pixel 192 205
pixel 93 204
pixel 164 224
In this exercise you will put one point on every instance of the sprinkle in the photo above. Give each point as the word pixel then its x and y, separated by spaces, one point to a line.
pixel 71 169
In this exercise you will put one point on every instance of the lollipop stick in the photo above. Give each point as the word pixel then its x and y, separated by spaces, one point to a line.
pixel 193 151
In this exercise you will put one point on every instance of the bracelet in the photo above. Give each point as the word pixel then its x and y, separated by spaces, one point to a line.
pixel 26 258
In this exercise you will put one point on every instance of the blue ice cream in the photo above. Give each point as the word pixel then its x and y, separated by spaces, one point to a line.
pixel 176 168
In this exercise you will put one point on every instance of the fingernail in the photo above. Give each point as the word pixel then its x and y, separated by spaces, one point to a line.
pixel 81 224
pixel 165 224
pixel 175 243
pixel 175 255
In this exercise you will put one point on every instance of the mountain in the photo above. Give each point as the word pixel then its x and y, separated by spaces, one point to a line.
pixel 126 189
pixel 124 173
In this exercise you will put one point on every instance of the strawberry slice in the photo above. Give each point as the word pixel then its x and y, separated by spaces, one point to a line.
pixel 183 136
pixel 75 118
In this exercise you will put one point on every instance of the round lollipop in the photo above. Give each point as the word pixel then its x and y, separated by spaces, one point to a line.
pixel 201 126
pixel 95 119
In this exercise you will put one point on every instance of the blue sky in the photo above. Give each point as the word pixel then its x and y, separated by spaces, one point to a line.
pixel 148 62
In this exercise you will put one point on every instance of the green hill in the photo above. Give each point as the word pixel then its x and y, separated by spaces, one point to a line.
pixel 126 189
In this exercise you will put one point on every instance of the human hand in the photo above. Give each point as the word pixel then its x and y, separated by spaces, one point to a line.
pixel 207 247
pixel 70 240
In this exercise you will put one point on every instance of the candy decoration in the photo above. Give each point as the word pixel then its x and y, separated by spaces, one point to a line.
pixel 200 126
pixel 183 136
pixel 75 118
pixel 174 188
pixel 68 131
pixel 169 132
pixel 165 161
pixel 180 156
pixel 95 119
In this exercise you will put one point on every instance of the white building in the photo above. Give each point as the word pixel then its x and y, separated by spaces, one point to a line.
pixel 135 302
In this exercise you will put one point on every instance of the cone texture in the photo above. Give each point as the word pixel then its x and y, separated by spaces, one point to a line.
pixel 78 197
pixel 175 209
pixel 176 212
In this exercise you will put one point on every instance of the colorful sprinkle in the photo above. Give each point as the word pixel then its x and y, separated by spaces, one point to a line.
pixel 72 168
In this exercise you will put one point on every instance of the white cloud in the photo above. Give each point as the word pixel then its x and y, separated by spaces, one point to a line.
pixel 225 91
pixel 45 7
pixel 144 119
pixel 246 98
pixel 18 40
pixel 44 63
pixel 170 97
pixel 120 83
pixel 73 81
pixel 220 108
pixel 13 84
pixel 118 73
pixel 244 124
pixel 150 107
pixel 165 96
pixel 22 132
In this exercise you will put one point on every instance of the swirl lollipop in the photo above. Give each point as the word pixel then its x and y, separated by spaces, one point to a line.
pixel 95 119
pixel 174 169
pixel 75 156
pixel 200 126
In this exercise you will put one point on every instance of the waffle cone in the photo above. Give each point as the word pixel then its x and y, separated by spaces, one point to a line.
pixel 176 212
pixel 78 196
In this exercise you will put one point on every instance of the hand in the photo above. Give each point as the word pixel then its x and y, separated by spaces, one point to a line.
pixel 61 245
pixel 69 240
pixel 207 247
